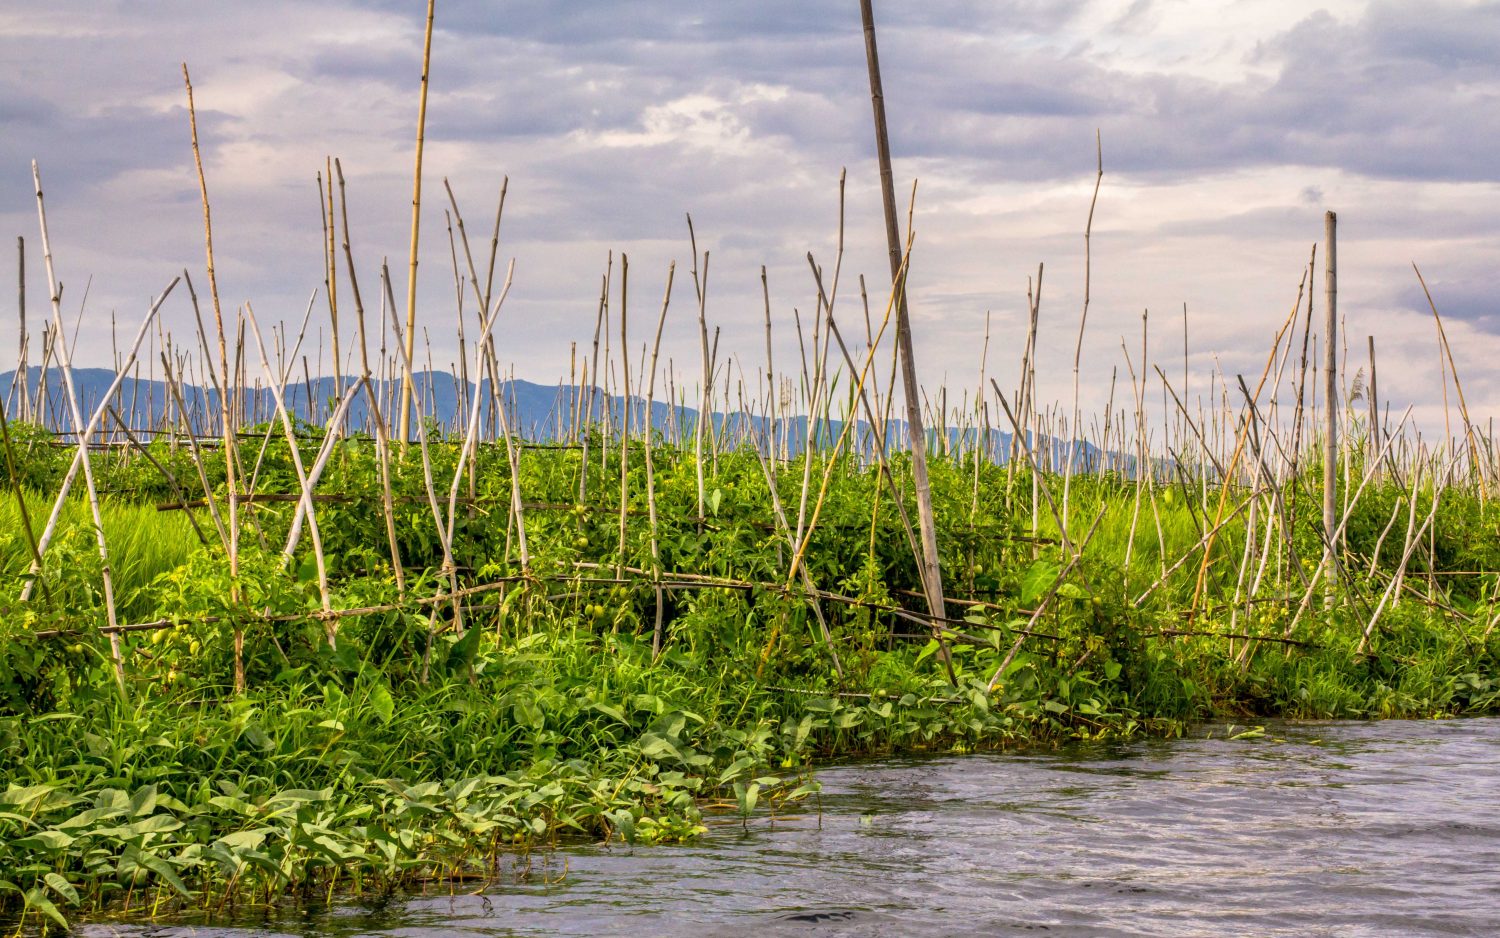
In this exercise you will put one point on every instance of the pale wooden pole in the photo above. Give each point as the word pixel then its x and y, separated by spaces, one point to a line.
pixel 227 412
pixel 1374 404
pixel 1330 389
pixel 333 279
pixel 21 370
pixel 416 227
pixel 932 582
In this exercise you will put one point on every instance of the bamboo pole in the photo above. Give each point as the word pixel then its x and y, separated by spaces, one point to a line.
pixel 22 377
pixel 331 282
pixel 1083 318
pixel 330 630
pixel 705 407
pixel 932 579
pixel 407 385
pixel 625 401
pixel 487 346
pixel 1330 390
pixel 85 432
pixel 377 418
pixel 1373 434
pixel 1463 406
pixel 228 412
pixel 657 627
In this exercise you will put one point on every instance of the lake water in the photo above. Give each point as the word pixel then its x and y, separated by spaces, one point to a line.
pixel 1314 829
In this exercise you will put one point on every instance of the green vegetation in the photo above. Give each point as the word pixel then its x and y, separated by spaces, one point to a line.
pixel 420 743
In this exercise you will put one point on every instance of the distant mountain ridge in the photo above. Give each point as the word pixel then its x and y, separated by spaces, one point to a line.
pixel 536 412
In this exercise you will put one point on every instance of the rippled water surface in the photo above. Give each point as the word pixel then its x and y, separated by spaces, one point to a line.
pixel 1315 829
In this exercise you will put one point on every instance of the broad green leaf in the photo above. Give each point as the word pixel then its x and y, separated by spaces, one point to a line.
pixel 610 711
pixel 45 840
pixel 382 703
pixel 62 887
pixel 36 899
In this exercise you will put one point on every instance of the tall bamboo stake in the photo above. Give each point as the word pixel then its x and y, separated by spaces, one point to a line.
pixel 1330 389
pixel 657 628
pixel 624 407
pixel 705 407
pixel 932 580
pixel 228 415
pixel 331 283
pixel 1083 318
pixel 1374 406
pixel 416 228
pixel 22 377
pixel 377 418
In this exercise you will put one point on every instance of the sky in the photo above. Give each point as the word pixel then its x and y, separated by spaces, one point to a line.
pixel 1227 128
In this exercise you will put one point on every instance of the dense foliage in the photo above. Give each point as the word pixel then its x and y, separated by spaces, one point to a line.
pixel 413 749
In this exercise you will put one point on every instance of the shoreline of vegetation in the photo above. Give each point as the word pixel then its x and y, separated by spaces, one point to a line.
pixel 405 754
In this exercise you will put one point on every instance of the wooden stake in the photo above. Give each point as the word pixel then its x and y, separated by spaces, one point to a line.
pixel 228 412
pixel 1330 390
pixel 932 580
pixel 407 386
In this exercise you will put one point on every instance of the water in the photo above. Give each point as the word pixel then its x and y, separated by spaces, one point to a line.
pixel 1316 829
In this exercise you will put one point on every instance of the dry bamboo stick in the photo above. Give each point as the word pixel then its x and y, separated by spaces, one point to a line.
pixel 1331 390
pixel 84 432
pixel 330 632
pixel 407 386
pixel 486 345
pixel 705 409
pixel 1083 318
pixel 382 439
pixel 661 321
pixel 1463 407
pixel 625 403
pixel 228 421
pixel 449 570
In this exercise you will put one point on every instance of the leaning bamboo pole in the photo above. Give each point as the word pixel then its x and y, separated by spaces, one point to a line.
pixel 330 630
pixel 372 398
pixel 932 579
pixel 224 382
pixel 487 347
pixel 85 432
pixel 1475 466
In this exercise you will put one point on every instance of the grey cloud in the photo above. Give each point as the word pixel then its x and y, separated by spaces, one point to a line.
pixel 83 150
pixel 589 22
pixel 1398 94
pixel 1440 34
pixel 1465 298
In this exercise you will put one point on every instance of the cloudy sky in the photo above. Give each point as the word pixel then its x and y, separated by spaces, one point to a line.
pixel 1228 127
